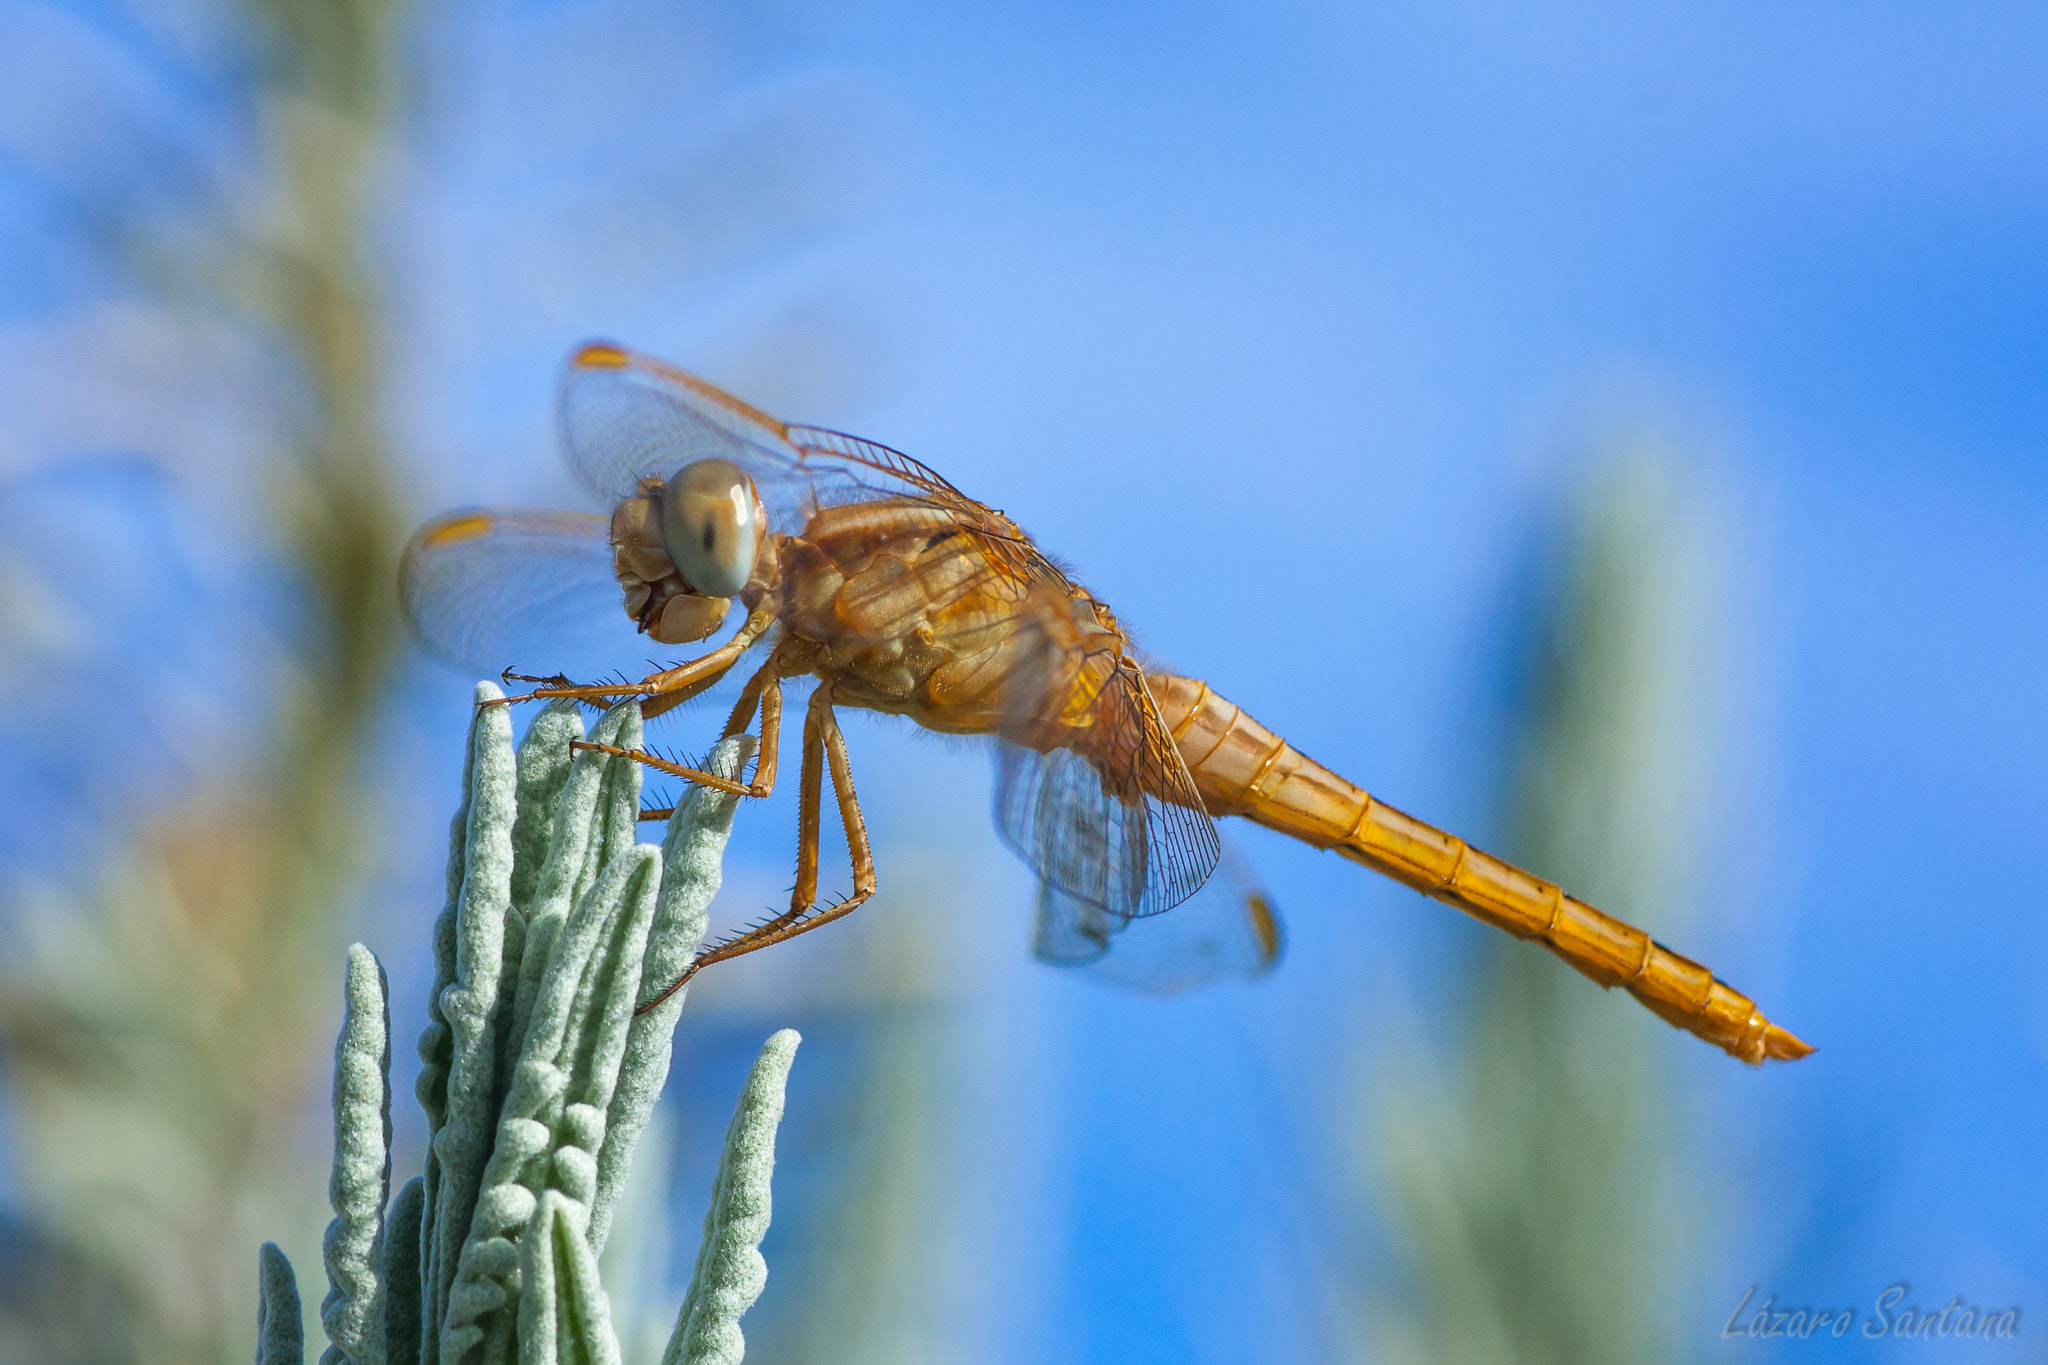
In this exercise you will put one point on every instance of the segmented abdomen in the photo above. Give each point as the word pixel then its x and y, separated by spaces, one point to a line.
pixel 1242 768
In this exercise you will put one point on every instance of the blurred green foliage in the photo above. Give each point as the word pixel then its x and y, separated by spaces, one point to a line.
pixel 161 1041
pixel 863 1281
pixel 1538 1186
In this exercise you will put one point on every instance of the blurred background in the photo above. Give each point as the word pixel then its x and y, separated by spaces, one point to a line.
pixel 1618 433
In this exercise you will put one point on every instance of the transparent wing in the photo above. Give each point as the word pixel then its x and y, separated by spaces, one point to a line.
pixel 1091 791
pixel 1072 933
pixel 626 416
pixel 487 589
pixel 1228 929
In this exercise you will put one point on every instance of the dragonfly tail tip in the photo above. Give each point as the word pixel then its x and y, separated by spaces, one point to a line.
pixel 1781 1045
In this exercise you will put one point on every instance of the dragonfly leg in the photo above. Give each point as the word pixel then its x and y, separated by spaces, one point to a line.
pixel 669 688
pixel 824 745
pixel 763 690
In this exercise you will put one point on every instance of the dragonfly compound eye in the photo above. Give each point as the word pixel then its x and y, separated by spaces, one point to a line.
pixel 711 522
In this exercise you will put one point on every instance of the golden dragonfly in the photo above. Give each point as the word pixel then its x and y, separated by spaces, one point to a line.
pixel 868 572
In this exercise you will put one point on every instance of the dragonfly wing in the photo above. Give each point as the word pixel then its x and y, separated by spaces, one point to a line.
pixel 1069 932
pixel 1128 856
pixel 1227 930
pixel 486 589
pixel 625 416
pixel 1091 790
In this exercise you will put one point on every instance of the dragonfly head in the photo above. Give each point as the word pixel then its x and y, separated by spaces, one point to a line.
pixel 656 597
pixel 685 547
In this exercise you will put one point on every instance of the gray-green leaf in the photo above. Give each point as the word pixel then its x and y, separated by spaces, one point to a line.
pixel 730 1272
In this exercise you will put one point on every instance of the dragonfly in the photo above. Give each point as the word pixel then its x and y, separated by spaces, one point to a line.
pixel 871 576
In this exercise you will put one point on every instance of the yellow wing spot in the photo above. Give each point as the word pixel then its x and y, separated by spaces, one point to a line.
pixel 459 528
pixel 1265 924
pixel 602 355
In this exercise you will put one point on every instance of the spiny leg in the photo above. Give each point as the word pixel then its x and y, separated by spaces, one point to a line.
pixel 764 689
pixel 751 695
pixel 809 785
pixel 823 742
pixel 669 688
pixel 822 739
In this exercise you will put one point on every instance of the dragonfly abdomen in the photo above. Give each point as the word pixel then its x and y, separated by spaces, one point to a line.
pixel 1242 768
